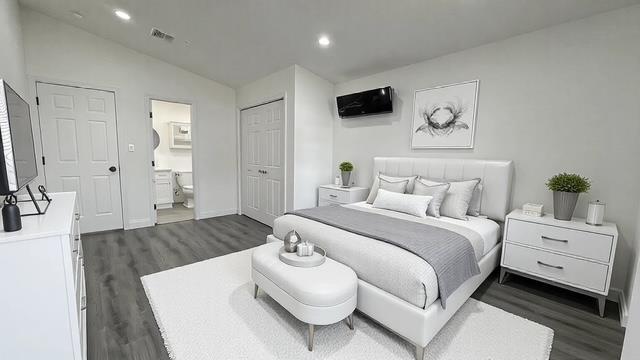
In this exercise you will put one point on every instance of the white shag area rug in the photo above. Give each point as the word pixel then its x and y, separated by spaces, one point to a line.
pixel 207 311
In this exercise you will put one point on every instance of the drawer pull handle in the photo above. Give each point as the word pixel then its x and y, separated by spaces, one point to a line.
pixel 551 266
pixel 333 196
pixel 552 239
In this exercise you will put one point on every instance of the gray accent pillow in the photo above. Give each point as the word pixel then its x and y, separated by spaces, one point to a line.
pixel 476 201
pixel 376 184
pixel 456 203
pixel 437 192
pixel 397 186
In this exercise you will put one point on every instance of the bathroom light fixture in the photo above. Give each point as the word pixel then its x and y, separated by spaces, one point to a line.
pixel 122 14
pixel 324 41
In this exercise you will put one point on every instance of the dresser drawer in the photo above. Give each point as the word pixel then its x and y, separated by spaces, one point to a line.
pixel 559 268
pixel 79 285
pixel 575 242
pixel 334 195
pixel 164 175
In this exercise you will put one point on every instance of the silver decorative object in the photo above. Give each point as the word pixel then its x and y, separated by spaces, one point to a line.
pixel 317 259
pixel 291 241
pixel 305 249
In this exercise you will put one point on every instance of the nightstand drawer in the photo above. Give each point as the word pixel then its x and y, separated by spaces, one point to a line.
pixel 325 202
pixel 334 195
pixel 570 241
pixel 562 269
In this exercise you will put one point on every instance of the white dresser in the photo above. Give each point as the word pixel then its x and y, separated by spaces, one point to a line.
pixel 164 188
pixel 569 254
pixel 333 194
pixel 43 301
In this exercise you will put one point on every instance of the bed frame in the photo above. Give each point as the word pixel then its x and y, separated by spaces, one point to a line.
pixel 416 325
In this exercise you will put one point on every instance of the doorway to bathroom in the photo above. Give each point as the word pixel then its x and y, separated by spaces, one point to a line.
pixel 172 161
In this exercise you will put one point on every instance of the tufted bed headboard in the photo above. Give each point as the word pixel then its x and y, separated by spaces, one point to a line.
pixel 496 177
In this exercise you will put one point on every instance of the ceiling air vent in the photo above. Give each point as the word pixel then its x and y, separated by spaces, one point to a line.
pixel 156 33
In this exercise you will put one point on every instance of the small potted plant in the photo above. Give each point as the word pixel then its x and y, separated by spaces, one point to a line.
pixel 566 189
pixel 345 169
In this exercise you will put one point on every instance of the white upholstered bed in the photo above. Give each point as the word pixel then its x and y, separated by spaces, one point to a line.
pixel 397 288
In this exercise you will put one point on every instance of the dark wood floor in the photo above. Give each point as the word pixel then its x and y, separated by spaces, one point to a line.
pixel 121 324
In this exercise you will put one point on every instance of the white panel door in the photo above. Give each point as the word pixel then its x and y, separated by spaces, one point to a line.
pixel 79 141
pixel 263 161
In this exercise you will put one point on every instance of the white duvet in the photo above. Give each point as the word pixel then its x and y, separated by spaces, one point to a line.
pixel 383 265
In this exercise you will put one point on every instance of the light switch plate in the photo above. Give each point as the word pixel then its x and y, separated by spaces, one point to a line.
pixel 132 148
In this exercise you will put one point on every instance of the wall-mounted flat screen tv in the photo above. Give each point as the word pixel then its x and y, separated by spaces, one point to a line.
pixel 370 102
pixel 18 161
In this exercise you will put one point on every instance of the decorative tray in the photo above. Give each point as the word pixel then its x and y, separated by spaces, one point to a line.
pixel 317 259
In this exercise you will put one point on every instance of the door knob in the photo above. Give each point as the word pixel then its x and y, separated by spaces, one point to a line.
pixel 113 169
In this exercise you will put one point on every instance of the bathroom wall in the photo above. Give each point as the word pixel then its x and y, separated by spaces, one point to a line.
pixel 163 114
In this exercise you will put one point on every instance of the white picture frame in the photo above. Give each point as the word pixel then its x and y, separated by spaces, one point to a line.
pixel 444 117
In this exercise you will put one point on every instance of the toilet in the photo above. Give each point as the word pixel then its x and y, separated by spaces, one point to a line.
pixel 185 181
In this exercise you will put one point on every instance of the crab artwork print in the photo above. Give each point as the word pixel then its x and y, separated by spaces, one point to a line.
pixel 445 116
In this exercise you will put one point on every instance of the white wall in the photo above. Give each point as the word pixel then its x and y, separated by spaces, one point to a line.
pixel 565 98
pixel 12 68
pixel 313 140
pixel 308 138
pixel 62 53
pixel 165 113
pixel 631 349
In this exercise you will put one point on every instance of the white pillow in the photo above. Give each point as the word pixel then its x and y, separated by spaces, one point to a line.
pixel 456 203
pixel 415 205
pixel 376 184
pixel 476 201
pixel 438 192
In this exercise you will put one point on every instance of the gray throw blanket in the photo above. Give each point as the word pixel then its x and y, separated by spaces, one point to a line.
pixel 449 253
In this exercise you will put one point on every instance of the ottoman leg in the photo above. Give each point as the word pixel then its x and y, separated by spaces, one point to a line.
pixel 311 333
pixel 255 291
pixel 419 352
pixel 350 321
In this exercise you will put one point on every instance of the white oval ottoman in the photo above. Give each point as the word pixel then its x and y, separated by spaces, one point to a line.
pixel 320 295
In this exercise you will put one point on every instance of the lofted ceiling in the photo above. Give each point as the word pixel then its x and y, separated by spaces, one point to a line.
pixel 237 41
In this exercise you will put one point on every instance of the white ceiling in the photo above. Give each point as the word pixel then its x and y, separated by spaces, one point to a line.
pixel 237 41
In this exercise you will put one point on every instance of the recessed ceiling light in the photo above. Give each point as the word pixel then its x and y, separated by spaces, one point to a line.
pixel 324 41
pixel 122 14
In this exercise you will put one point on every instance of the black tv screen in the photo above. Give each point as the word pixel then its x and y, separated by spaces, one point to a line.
pixel 376 101
pixel 18 161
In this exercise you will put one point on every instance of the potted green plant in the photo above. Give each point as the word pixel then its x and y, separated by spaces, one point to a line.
pixel 345 171
pixel 566 189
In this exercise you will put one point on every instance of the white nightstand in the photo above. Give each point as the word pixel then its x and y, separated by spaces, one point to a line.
pixel 568 254
pixel 333 194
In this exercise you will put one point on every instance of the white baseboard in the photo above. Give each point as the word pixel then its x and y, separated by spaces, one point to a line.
pixel 138 223
pixel 617 295
pixel 215 213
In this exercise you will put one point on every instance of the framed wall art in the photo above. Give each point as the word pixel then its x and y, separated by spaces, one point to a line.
pixel 445 116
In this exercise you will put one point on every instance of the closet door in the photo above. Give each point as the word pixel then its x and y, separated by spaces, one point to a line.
pixel 262 160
